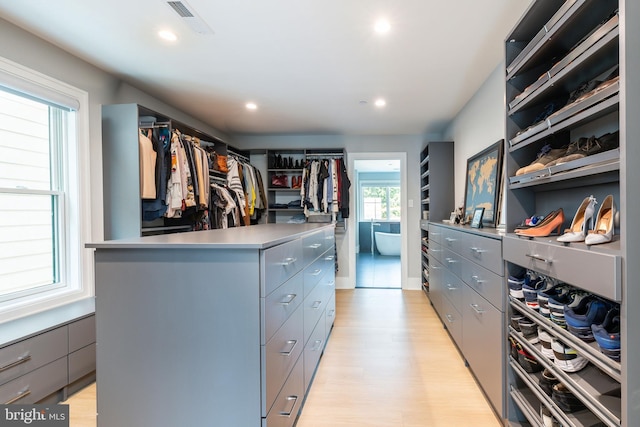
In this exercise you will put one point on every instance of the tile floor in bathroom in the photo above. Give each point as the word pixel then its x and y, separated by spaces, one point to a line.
pixel 377 271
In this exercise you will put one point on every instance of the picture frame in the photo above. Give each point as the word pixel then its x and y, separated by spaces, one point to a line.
pixel 484 184
pixel 476 221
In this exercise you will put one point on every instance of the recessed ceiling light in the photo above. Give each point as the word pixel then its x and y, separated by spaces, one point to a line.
pixel 382 26
pixel 167 35
pixel 380 102
pixel 251 106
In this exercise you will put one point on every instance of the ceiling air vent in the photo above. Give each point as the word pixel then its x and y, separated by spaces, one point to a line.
pixel 190 17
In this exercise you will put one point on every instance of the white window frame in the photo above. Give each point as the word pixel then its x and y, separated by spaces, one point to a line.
pixel 377 183
pixel 76 264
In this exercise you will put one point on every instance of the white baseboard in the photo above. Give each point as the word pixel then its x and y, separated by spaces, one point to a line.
pixel 413 284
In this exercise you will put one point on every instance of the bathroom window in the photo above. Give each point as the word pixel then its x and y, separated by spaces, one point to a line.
pixel 380 202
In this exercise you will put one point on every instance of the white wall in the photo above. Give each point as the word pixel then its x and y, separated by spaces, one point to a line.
pixel 480 123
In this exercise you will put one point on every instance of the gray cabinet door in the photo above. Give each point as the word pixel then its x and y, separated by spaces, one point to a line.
pixel 36 385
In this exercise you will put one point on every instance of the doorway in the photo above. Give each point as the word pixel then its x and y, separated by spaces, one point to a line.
pixel 378 231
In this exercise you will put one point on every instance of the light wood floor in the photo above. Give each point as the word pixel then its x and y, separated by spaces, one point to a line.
pixel 388 363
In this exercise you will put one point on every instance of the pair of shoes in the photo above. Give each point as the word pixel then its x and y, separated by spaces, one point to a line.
pixel 281 181
pixel 530 291
pixel 584 147
pixel 547 381
pixel 553 292
pixel 578 230
pixel 567 358
pixel 565 400
pixel 558 303
pixel 545 340
pixel 551 223
pixel 591 310
pixel 545 156
pixel 515 287
pixel 296 182
pixel 607 333
pixel 529 329
pixel 527 361
pixel 604 227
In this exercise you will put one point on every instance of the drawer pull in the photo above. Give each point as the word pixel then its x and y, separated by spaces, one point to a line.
pixel 315 246
pixel 435 234
pixel 477 250
pixel 316 305
pixel 317 346
pixel 293 344
pixel 329 258
pixel 477 280
pixel 290 299
pixel 290 399
pixel 288 261
pixel 451 261
pixel 329 237
pixel 450 318
pixel 449 239
pixel 317 272
pixel 476 308
pixel 19 396
pixel 451 287
pixel 331 313
pixel 19 361
pixel 539 258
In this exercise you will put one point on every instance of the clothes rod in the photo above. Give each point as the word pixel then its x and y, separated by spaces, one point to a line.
pixel 325 155
pixel 153 125
pixel 240 156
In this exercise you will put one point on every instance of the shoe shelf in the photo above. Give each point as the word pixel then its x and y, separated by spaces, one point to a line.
pixel 597 391
pixel 589 350
pixel 529 396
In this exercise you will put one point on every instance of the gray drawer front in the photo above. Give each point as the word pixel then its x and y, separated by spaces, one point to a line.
pixel 25 356
pixel 452 239
pixel 329 239
pixel 82 333
pixel 435 233
pixel 280 304
pixel 486 283
pixel 313 274
pixel 313 351
pixel 280 355
pixel 287 405
pixel 82 362
pixel 279 263
pixel 313 246
pixel 452 287
pixel 484 251
pixel 37 384
pixel 436 251
pixel 328 283
pixel 599 272
pixel 453 261
pixel 314 306
pixel 452 321
pixel 436 278
pixel 330 314
pixel 483 342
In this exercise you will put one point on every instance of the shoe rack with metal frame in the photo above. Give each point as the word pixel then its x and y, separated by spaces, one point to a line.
pixel 552 50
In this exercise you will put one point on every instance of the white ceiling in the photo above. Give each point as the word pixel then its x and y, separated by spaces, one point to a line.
pixel 308 64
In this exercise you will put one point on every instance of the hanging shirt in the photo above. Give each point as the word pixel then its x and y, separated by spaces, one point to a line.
pixel 147 166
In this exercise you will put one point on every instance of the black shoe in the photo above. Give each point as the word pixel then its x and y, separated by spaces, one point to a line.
pixel 565 400
pixel 547 381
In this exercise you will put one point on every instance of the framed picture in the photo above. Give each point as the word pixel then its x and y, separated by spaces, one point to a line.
pixel 484 183
pixel 476 221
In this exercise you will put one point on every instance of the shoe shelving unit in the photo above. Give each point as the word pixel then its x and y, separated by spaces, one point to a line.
pixel 436 201
pixel 552 50
pixel 284 171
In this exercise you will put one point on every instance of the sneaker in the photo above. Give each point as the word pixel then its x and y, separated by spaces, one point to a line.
pixel 530 292
pixel 547 381
pixel 553 292
pixel 529 329
pixel 515 287
pixel 545 339
pixel 566 401
pixel 528 362
pixel 513 345
pixel 591 310
pixel 515 320
pixel 548 420
pixel 558 303
pixel 566 358
pixel 607 334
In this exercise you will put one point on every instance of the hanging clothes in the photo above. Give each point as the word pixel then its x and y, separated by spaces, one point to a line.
pixel 147 156
pixel 156 208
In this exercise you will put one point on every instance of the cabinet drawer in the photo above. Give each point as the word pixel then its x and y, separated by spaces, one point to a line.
pixel 313 246
pixel 435 233
pixel 313 351
pixel 330 314
pixel 484 251
pixel 280 304
pixel 25 356
pixel 452 321
pixel 82 333
pixel 313 274
pixel 436 277
pixel 596 272
pixel 287 404
pixel 486 283
pixel 452 239
pixel 279 263
pixel 436 251
pixel 483 344
pixel 314 306
pixel 453 261
pixel 328 284
pixel 452 287
pixel 280 355
pixel 330 239
pixel 36 385
pixel 82 362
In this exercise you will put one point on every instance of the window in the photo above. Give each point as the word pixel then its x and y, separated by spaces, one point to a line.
pixel 380 202
pixel 42 225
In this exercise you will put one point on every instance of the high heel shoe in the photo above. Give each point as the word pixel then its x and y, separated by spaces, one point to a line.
pixel 578 230
pixel 551 223
pixel 603 230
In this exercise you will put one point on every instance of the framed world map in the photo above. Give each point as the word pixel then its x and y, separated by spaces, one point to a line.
pixel 484 183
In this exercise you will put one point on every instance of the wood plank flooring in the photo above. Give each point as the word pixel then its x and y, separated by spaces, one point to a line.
pixel 388 363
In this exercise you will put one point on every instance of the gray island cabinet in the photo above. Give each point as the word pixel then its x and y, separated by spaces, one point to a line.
pixel 212 328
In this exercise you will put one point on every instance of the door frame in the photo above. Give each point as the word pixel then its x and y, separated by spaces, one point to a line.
pixel 353 220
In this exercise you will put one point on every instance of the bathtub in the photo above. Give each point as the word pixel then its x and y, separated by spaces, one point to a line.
pixel 388 243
